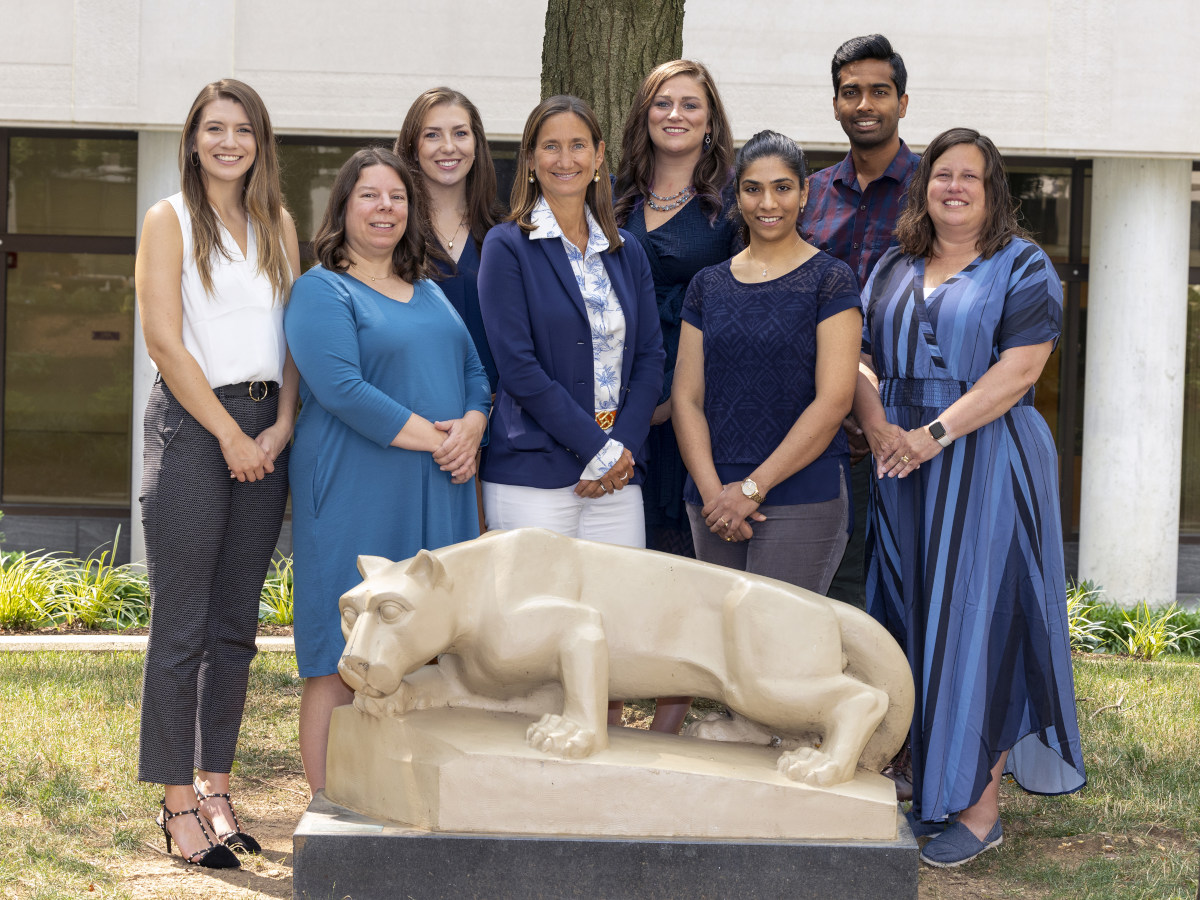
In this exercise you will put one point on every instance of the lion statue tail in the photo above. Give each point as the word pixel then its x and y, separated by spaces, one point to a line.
pixel 873 657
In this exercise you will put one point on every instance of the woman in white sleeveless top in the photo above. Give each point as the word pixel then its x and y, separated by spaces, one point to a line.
pixel 214 268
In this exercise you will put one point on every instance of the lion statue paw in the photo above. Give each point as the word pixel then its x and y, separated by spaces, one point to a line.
pixel 812 766
pixel 561 736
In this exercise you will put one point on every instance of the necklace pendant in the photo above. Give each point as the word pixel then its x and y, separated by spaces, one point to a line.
pixel 764 274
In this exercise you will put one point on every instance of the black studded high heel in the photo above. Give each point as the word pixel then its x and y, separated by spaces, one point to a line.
pixel 214 856
pixel 236 839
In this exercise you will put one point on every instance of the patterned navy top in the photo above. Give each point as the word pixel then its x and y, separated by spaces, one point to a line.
pixel 760 355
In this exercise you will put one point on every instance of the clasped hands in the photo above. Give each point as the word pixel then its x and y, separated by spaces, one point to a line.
pixel 728 515
pixel 899 453
pixel 253 459
pixel 460 450
pixel 613 480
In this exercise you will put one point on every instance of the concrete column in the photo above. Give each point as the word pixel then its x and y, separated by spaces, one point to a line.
pixel 1133 393
pixel 158 177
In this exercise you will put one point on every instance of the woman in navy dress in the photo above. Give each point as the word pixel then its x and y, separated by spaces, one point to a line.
pixel 442 139
pixel 673 193
pixel 394 404
pixel 964 541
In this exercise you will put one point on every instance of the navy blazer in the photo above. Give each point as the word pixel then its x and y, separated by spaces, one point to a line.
pixel 543 429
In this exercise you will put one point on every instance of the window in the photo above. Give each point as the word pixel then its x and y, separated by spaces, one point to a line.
pixel 66 292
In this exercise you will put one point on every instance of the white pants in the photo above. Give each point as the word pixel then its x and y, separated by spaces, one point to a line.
pixel 615 518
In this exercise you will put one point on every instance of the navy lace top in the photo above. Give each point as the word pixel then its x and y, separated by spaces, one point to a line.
pixel 760 354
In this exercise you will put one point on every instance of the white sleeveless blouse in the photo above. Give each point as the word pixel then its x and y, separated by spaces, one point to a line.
pixel 236 334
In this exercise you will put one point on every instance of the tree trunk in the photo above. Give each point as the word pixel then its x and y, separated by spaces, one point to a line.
pixel 601 50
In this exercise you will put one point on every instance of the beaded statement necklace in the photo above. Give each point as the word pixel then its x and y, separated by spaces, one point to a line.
pixel 669 203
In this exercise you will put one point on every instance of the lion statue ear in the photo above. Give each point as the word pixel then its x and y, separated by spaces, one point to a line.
pixel 428 568
pixel 370 566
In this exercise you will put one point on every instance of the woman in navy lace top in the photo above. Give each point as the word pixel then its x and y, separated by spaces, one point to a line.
pixel 768 358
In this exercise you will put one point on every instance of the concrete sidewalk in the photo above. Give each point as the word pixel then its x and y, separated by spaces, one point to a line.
pixel 103 643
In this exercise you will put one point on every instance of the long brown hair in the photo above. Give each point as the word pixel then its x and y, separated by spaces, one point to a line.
pixel 410 256
pixel 526 190
pixel 914 229
pixel 636 172
pixel 262 197
pixel 483 210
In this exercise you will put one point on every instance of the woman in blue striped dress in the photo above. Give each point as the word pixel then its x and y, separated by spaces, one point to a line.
pixel 964 536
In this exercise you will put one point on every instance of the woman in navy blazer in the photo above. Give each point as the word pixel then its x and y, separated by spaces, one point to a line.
pixel 570 313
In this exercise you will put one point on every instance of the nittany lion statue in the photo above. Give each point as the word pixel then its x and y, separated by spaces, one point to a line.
pixel 513 612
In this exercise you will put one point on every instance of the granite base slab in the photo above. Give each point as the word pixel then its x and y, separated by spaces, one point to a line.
pixel 339 854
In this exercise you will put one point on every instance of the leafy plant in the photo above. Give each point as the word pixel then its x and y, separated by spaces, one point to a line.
pixel 1087 633
pixel 275 604
pixel 98 594
pixel 1150 633
pixel 28 585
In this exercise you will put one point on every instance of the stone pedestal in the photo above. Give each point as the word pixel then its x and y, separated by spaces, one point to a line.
pixel 452 803
pixel 339 853
pixel 471 771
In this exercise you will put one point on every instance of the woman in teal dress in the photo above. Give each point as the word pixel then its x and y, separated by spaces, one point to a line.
pixel 394 404
pixel 964 536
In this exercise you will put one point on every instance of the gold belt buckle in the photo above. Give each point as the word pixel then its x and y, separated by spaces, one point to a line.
pixel 606 419
pixel 266 389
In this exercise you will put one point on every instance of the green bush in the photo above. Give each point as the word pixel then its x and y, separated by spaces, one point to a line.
pixel 40 590
pixel 1087 632
pixel 275 605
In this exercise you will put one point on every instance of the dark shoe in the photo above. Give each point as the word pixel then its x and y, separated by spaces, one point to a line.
pixel 214 856
pixel 899 770
pixel 921 828
pixel 957 845
pixel 236 839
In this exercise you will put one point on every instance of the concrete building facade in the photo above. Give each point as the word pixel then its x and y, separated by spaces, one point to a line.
pixel 1088 103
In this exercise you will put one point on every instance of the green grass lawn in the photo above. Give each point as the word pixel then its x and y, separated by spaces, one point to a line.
pixel 71 808
pixel 72 814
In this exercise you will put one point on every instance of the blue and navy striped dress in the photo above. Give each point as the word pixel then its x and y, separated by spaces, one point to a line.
pixel 966 557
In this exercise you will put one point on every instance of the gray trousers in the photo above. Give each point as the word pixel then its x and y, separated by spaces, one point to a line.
pixel 800 544
pixel 209 541
pixel 850 581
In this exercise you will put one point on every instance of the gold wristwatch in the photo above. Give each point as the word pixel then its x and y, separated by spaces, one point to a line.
pixel 750 489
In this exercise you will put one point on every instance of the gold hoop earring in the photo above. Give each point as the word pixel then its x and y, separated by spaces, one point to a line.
pixel 195 158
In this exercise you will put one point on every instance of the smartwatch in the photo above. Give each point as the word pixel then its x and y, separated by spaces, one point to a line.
pixel 937 431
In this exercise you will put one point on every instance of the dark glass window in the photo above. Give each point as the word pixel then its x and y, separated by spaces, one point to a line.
pixel 68 379
pixel 68 219
pixel 60 185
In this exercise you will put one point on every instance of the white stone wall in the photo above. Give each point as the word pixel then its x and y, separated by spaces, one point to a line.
pixel 1047 77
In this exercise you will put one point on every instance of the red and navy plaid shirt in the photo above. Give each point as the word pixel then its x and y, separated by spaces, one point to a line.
pixel 854 225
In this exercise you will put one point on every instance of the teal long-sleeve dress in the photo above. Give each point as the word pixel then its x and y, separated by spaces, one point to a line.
pixel 367 362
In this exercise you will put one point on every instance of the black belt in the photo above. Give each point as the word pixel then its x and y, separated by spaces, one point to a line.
pixel 255 390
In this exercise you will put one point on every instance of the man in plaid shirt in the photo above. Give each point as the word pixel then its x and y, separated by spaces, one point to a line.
pixel 851 214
